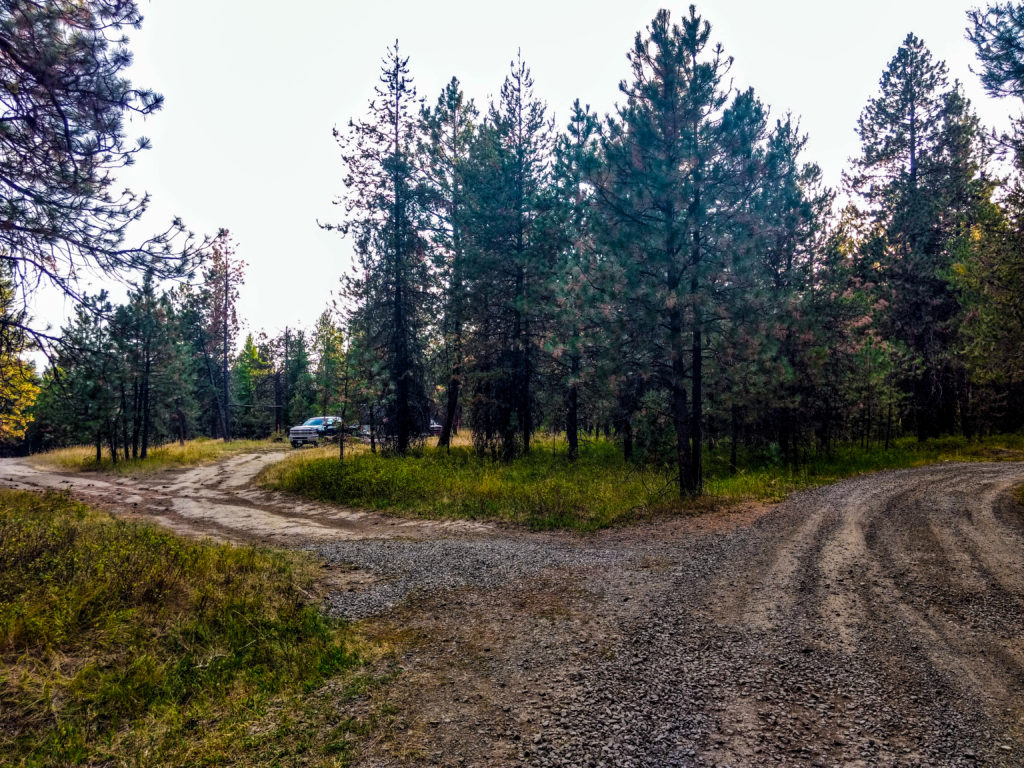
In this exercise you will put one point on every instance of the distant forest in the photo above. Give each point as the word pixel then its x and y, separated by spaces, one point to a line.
pixel 673 276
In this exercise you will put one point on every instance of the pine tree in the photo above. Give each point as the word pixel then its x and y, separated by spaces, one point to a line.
pixel 252 390
pixel 211 319
pixel 62 142
pixel 385 215
pixel 514 249
pixel 679 156
pixel 328 346
pixel 298 388
pixel 787 213
pixel 998 36
pixel 918 179
pixel 449 129
pixel 574 327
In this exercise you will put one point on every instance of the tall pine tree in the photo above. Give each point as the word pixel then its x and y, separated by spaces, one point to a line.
pixel 385 215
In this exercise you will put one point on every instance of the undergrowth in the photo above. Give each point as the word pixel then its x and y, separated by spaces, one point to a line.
pixel 545 490
pixel 121 644
pixel 82 458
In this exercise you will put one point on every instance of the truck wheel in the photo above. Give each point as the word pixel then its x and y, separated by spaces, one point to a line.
pixel 296 444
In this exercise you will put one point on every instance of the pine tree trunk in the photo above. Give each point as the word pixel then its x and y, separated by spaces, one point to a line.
pixel 373 431
pixel 444 441
pixel 124 425
pixel 181 426
pixel 136 419
pixel 224 366
pixel 277 402
pixel 572 412
pixel 697 415
pixel 681 421
pixel 734 437
pixel 146 408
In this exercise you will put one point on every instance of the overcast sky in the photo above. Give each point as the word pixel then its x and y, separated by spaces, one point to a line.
pixel 254 88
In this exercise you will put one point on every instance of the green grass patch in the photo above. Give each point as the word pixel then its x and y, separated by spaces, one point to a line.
pixel 545 490
pixel 82 458
pixel 540 490
pixel 121 644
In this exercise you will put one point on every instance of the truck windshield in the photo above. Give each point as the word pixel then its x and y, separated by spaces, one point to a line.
pixel 312 422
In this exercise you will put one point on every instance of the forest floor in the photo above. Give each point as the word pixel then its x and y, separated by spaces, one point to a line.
pixel 873 622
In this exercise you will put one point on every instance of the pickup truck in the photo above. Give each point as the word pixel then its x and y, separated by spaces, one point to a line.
pixel 314 430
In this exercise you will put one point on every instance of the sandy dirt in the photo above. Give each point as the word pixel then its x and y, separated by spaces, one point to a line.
pixel 875 622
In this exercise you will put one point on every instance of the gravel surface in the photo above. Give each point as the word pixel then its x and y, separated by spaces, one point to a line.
pixel 876 622
pixel 402 569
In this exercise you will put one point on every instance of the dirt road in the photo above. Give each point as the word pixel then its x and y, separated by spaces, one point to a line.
pixel 875 622
pixel 220 501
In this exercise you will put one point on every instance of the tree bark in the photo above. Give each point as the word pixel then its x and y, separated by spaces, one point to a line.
pixel 447 429
pixel 146 408
pixel 225 370
pixel 572 411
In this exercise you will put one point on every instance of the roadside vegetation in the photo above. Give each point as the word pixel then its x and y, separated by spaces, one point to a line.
pixel 545 490
pixel 82 458
pixel 121 644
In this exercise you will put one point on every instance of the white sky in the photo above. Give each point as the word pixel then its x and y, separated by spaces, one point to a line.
pixel 254 88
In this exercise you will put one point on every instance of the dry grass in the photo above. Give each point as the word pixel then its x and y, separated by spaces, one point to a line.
pixel 82 458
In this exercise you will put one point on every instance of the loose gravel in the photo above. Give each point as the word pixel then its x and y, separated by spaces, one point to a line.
pixel 403 569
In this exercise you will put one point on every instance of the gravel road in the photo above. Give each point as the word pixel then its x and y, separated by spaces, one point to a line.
pixel 875 622
pixel 879 621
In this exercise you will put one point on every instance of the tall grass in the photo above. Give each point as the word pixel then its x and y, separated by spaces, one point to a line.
pixel 546 490
pixel 540 490
pixel 121 644
pixel 82 458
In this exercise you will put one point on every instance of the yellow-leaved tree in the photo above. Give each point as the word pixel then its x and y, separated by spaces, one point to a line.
pixel 18 384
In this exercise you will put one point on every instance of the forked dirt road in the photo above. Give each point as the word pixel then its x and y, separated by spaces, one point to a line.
pixel 875 622
pixel 219 501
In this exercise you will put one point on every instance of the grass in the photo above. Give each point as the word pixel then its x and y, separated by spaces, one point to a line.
pixel 121 644
pixel 82 458
pixel 545 490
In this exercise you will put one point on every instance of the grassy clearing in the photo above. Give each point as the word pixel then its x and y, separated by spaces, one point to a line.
pixel 545 490
pixel 121 644
pixel 82 458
